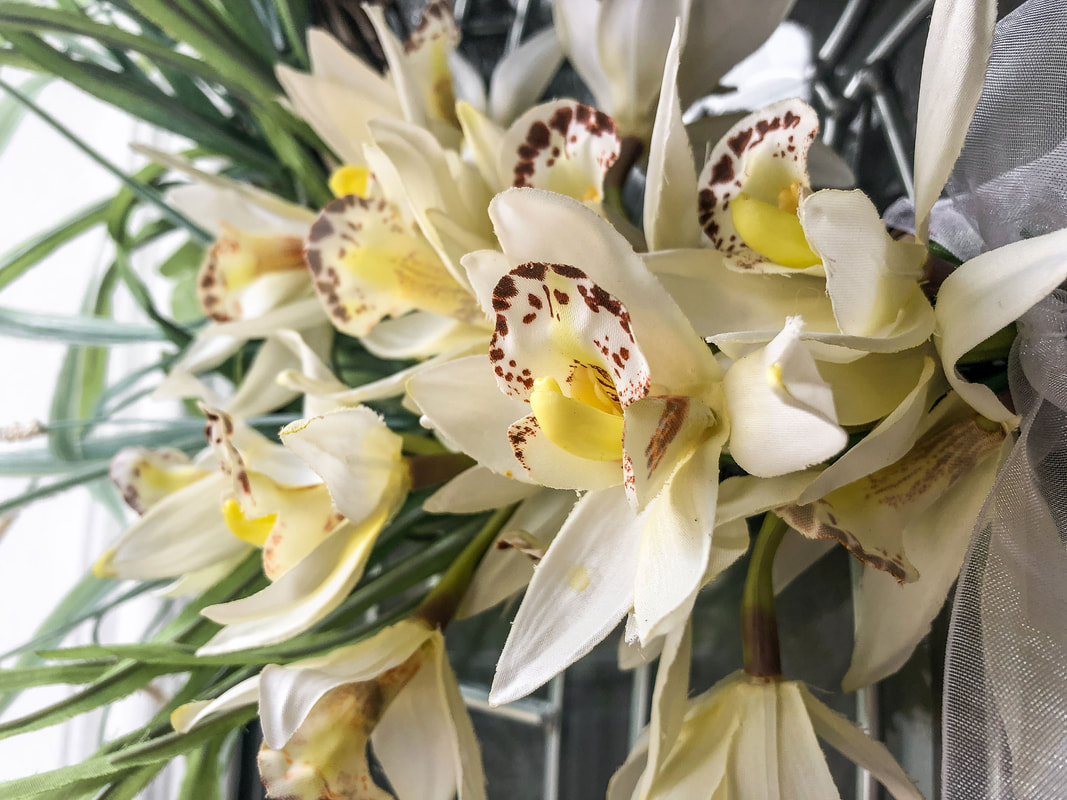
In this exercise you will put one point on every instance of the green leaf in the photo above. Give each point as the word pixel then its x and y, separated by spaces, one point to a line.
pixel 131 784
pixel 70 674
pixel 74 329
pixel 175 744
pixel 96 771
pixel 74 478
pixel 295 21
pixel 18 261
pixel 12 111
pixel 202 773
pixel 184 261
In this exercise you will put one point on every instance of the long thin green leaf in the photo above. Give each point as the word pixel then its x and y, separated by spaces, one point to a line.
pixel 74 478
pixel 173 332
pixel 295 22
pixel 12 111
pixel 69 674
pixel 202 773
pixel 146 193
pixel 130 785
pixel 72 329
pixel 68 780
pixel 175 744
pixel 18 261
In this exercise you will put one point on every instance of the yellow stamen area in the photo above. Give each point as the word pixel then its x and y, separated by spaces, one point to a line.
pixel 254 531
pixel 349 179
pixel 242 257
pixel 591 195
pixel 772 231
pixel 581 428
pixel 169 480
pixel 789 198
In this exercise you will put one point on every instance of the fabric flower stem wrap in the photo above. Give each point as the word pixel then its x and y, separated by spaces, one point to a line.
pixel 441 603
pixel 759 626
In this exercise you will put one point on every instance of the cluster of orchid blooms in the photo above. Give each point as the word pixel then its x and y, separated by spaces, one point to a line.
pixel 596 374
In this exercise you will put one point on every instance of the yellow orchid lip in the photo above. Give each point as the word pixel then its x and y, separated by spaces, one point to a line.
pixel 772 231
pixel 580 428
pixel 350 179
pixel 254 531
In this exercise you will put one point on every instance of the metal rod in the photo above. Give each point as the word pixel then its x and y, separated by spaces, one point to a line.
pixel 554 738
pixel 518 25
pixel 843 30
pixel 895 35
pixel 892 125
pixel 528 711
pixel 639 702
pixel 867 718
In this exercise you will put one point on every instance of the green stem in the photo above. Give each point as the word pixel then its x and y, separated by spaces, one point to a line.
pixel 440 605
pixel 759 626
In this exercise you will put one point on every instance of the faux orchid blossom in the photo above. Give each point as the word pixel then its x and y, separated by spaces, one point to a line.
pixel 594 381
pixel 618 47
pixel 395 690
pixel 756 737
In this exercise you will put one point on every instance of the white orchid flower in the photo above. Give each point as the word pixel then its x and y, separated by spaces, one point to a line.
pixel 751 737
pixel 395 689
pixel 594 381
pixel 618 47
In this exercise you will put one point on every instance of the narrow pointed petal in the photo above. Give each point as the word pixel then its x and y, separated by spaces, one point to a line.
pixel 937 541
pixel 676 544
pixel 669 700
pixel 485 140
pixel 298 599
pixel 580 591
pixel 188 716
pixel 576 24
pixel 521 76
pixel 745 496
pixel 953 74
pixel 802 770
pixel 781 411
pixel 478 489
pixel 838 732
pixel 987 293
pixel 670 212
pixel 290 692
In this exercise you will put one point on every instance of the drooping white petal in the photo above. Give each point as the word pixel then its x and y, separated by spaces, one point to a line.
pixel 802 770
pixel 670 212
pixel 298 599
pixel 676 544
pixel 188 716
pixel 422 334
pixel 870 276
pixel 953 73
pixel 838 732
pixel 583 240
pixel 576 23
pixel 477 489
pixel 447 393
pixel 260 392
pixel 987 293
pixel 508 565
pixel 521 76
pixel 669 697
pixel 288 693
pixel 181 533
pixel 937 541
pixel 199 581
pixel 781 412
pixel 580 591
pixel 357 457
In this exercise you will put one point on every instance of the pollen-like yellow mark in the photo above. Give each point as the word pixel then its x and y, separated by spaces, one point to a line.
pixel 773 231
pixel 789 198
pixel 580 424
pixel 350 179
pixel 774 375
pixel 254 531
pixel 578 578
pixel 591 195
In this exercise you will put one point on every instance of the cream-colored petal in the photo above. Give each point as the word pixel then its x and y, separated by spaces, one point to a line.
pixel 838 732
pixel 332 60
pixel 190 715
pixel 937 541
pixel 547 464
pixel 298 599
pixel 873 387
pixel 676 544
pixel 581 239
pixel 987 293
pixel 580 591
pixel 288 693
pixel 357 457
pixel 870 276
pixel 802 770
pixel 485 139
pixel 145 476
pixel 781 412
pixel 953 74
pixel 761 155
pixel 478 489
pixel 422 334
pixel 562 146
pixel 745 496
pixel 670 211
pixel 669 696
pixel 521 76
pixel 508 565
pixel 447 393
pixel 576 23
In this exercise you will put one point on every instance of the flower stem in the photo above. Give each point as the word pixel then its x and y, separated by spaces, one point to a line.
pixel 759 626
pixel 441 603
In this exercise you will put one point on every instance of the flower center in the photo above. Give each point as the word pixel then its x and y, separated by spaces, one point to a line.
pixel 588 423
pixel 254 531
pixel 350 179
pixel 242 257
pixel 774 230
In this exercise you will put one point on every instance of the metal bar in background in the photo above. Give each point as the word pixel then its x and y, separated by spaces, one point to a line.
pixel 528 711
pixel 640 701
pixel 843 31
pixel 867 718
pixel 554 738
pixel 518 25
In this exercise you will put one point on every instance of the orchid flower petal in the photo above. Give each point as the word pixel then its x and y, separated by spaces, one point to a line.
pixel 485 139
pixel 986 294
pixel 838 732
pixel 669 700
pixel 145 476
pixel 870 277
pixel 576 23
pixel 937 540
pixel 676 544
pixel 580 591
pixel 521 76
pixel 670 212
pixel 953 74
pixel 547 464
pixel 422 334
pixel 802 770
pixel 873 387
pixel 190 715
pixel 782 417
pixel 478 489
pixel 288 693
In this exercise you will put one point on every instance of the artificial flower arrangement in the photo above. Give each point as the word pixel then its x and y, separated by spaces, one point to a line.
pixel 439 288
